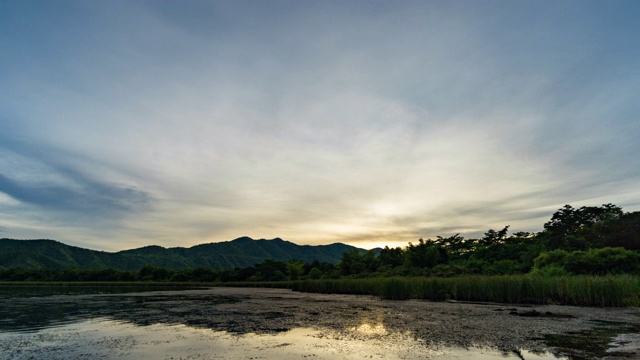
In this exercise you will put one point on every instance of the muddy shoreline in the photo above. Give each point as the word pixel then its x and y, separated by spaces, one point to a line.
pixel 610 333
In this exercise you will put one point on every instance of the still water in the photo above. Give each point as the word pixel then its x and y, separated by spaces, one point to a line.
pixel 108 339
pixel 92 323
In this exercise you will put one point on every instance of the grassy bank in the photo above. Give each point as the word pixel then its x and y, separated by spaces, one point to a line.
pixel 600 291
pixel 150 284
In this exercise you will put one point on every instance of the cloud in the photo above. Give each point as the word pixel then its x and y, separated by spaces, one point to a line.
pixel 85 196
pixel 50 180
pixel 323 122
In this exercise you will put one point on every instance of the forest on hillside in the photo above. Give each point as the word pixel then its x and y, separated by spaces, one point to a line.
pixel 590 240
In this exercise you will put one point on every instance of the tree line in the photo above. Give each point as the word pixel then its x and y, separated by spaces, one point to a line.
pixel 268 270
pixel 593 240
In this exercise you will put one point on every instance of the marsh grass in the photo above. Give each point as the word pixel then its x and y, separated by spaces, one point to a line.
pixel 101 284
pixel 601 291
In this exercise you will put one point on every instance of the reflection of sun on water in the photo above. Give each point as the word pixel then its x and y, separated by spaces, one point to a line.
pixel 370 329
pixel 108 339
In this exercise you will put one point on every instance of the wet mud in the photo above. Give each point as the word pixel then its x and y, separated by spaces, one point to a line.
pixel 563 331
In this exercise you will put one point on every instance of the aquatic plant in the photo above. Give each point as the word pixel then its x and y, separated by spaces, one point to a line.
pixel 601 291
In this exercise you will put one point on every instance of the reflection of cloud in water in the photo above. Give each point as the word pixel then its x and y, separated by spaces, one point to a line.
pixel 204 325
pixel 108 339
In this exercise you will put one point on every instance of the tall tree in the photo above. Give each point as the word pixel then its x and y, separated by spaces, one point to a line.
pixel 568 226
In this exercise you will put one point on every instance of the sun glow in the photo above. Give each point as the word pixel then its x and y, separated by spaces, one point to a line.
pixel 370 329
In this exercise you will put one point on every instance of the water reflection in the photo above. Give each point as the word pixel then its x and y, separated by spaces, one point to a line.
pixel 31 308
pixel 370 329
pixel 196 324
pixel 405 345
pixel 109 339
pixel 46 290
pixel 371 325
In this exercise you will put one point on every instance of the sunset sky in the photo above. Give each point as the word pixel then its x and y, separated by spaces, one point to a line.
pixel 175 123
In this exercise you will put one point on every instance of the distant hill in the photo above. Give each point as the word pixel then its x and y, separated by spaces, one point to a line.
pixel 241 252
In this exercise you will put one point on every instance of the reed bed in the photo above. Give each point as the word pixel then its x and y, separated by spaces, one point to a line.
pixel 584 290
pixel 115 284
pixel 600 291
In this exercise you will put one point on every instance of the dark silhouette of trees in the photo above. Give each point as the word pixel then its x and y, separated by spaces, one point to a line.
pixel 587 240
pixel 569 227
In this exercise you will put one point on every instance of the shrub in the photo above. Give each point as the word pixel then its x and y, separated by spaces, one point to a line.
pixel 550 271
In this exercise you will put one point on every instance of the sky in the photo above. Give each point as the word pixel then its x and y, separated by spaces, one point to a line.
pixel 372 123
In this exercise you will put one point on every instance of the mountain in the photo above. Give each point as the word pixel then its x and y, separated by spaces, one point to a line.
pixel 241 252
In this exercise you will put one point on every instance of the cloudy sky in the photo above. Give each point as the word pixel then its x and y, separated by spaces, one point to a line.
pixel 129 123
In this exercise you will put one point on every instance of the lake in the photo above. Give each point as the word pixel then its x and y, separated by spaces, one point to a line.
pixel 240 323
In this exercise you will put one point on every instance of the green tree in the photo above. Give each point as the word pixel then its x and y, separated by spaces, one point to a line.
pixel 295 268
pixel 425 255
pixel 623 231
pixel 315 273
pixel 592 261
pixel 355 262
pixel 153 273
pixel 457 247
pixel 569 227
pixel 391 257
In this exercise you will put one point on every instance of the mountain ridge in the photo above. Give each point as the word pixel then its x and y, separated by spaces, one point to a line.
pixel 240 252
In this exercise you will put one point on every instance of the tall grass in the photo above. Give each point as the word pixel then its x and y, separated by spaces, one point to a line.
pixel 601 291
pixel 584 290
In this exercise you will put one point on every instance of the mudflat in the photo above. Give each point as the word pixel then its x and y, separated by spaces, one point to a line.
pixel 563 331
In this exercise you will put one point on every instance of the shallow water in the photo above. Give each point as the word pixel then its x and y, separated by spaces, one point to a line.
pixel 108 339
pixel 67 323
